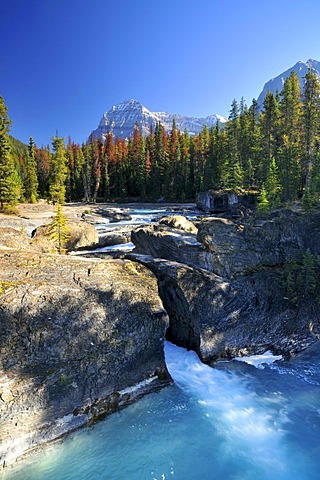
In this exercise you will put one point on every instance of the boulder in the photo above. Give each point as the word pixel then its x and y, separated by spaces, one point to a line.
pixel 114 238
pixel 82 235
pixel 161 241
pixel 78 340
pixel 180 222
pixel 14 238
pixel 114 214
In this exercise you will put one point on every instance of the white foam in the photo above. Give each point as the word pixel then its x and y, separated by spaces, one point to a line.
pixel 243 419
pixel 260 361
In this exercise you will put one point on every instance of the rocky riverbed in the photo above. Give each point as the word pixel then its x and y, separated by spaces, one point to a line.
pixel 82 337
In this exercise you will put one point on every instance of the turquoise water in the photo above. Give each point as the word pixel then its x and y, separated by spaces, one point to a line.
pixel 233 422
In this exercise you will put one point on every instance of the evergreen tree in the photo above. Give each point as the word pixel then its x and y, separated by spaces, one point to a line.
pixel 58 230
pixel 234 175
pixel 311 119
pixel 314 182
pixel 263 203
pixel 58 171
pixel 8 173
pixel 183 190
pixel 269 125
pixel 31 181
pixel 272 185
pixel 309 272
pixel 290 152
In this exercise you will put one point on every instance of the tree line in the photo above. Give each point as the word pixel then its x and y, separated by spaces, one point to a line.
pixel 273 150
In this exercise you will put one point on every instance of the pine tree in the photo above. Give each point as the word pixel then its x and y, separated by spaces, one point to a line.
pixel 309 272
pixel 31 181
pixel 232 131
pixel 269 125
pixel 311 118
pixel 314 182
pixel 263 203
pixel 58 171
pixel 272 185
pixel 58 230
pixel 43 161
pixel 8 173
pixel 290 152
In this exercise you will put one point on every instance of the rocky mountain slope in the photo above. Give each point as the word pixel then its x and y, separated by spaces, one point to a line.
pixel 301 68
pixel 121 119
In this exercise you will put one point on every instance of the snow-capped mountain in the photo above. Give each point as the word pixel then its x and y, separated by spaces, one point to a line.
pixel 121 119
pixel 301 68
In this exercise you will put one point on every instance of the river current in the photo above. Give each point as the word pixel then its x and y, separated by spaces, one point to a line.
pixel 233 421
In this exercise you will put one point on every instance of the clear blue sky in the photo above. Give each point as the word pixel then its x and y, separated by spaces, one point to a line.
pixel 64 62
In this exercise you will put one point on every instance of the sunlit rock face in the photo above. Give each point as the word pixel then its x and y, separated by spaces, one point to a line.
pixel 122 118
pixel 78 339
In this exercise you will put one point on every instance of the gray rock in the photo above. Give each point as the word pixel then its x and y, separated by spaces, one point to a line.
pixel 180 222
pixel 114 238
pixel 78 340
pixel 82 235
pixel 161 241
pixel 219 318
pixel 14 238
pixel 237 249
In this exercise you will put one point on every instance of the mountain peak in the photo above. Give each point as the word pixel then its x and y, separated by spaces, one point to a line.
pixel 121 119
pixel 276 84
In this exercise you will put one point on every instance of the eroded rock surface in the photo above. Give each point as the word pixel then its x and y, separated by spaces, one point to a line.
pixel 82 235
pixel 78 339
pixel 219 318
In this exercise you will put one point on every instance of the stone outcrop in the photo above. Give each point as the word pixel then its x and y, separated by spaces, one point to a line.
pixel 180 222
pixel 106 215
pixel 219 318
pixel 114 238
pixel 216 201
pixel 78 339
pixel 82 235
pixel 230 249
pixel 13 238
pixel 161 241
pixel 236 249
pixel 225 293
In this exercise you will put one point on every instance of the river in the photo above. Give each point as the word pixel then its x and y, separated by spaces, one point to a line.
pixel 234 421
pixel 231 422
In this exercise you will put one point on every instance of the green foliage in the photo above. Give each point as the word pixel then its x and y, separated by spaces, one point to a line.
pixel 308 201
pixel 31 181
pixel 9 179
pixel 58 171
pixel 272 184
pixel 58 230
pixel 263 202
pixel 276 151
pixel 301 276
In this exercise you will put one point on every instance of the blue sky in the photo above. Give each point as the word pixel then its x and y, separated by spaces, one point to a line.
pixel 64 62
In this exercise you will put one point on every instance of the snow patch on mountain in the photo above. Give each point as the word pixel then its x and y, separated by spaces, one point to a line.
pixel 121 119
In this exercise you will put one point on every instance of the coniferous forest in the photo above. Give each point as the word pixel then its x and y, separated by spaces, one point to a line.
pixel 274 150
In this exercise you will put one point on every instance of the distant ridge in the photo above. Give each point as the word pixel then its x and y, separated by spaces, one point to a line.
pixel 121 119
pixel 301 68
